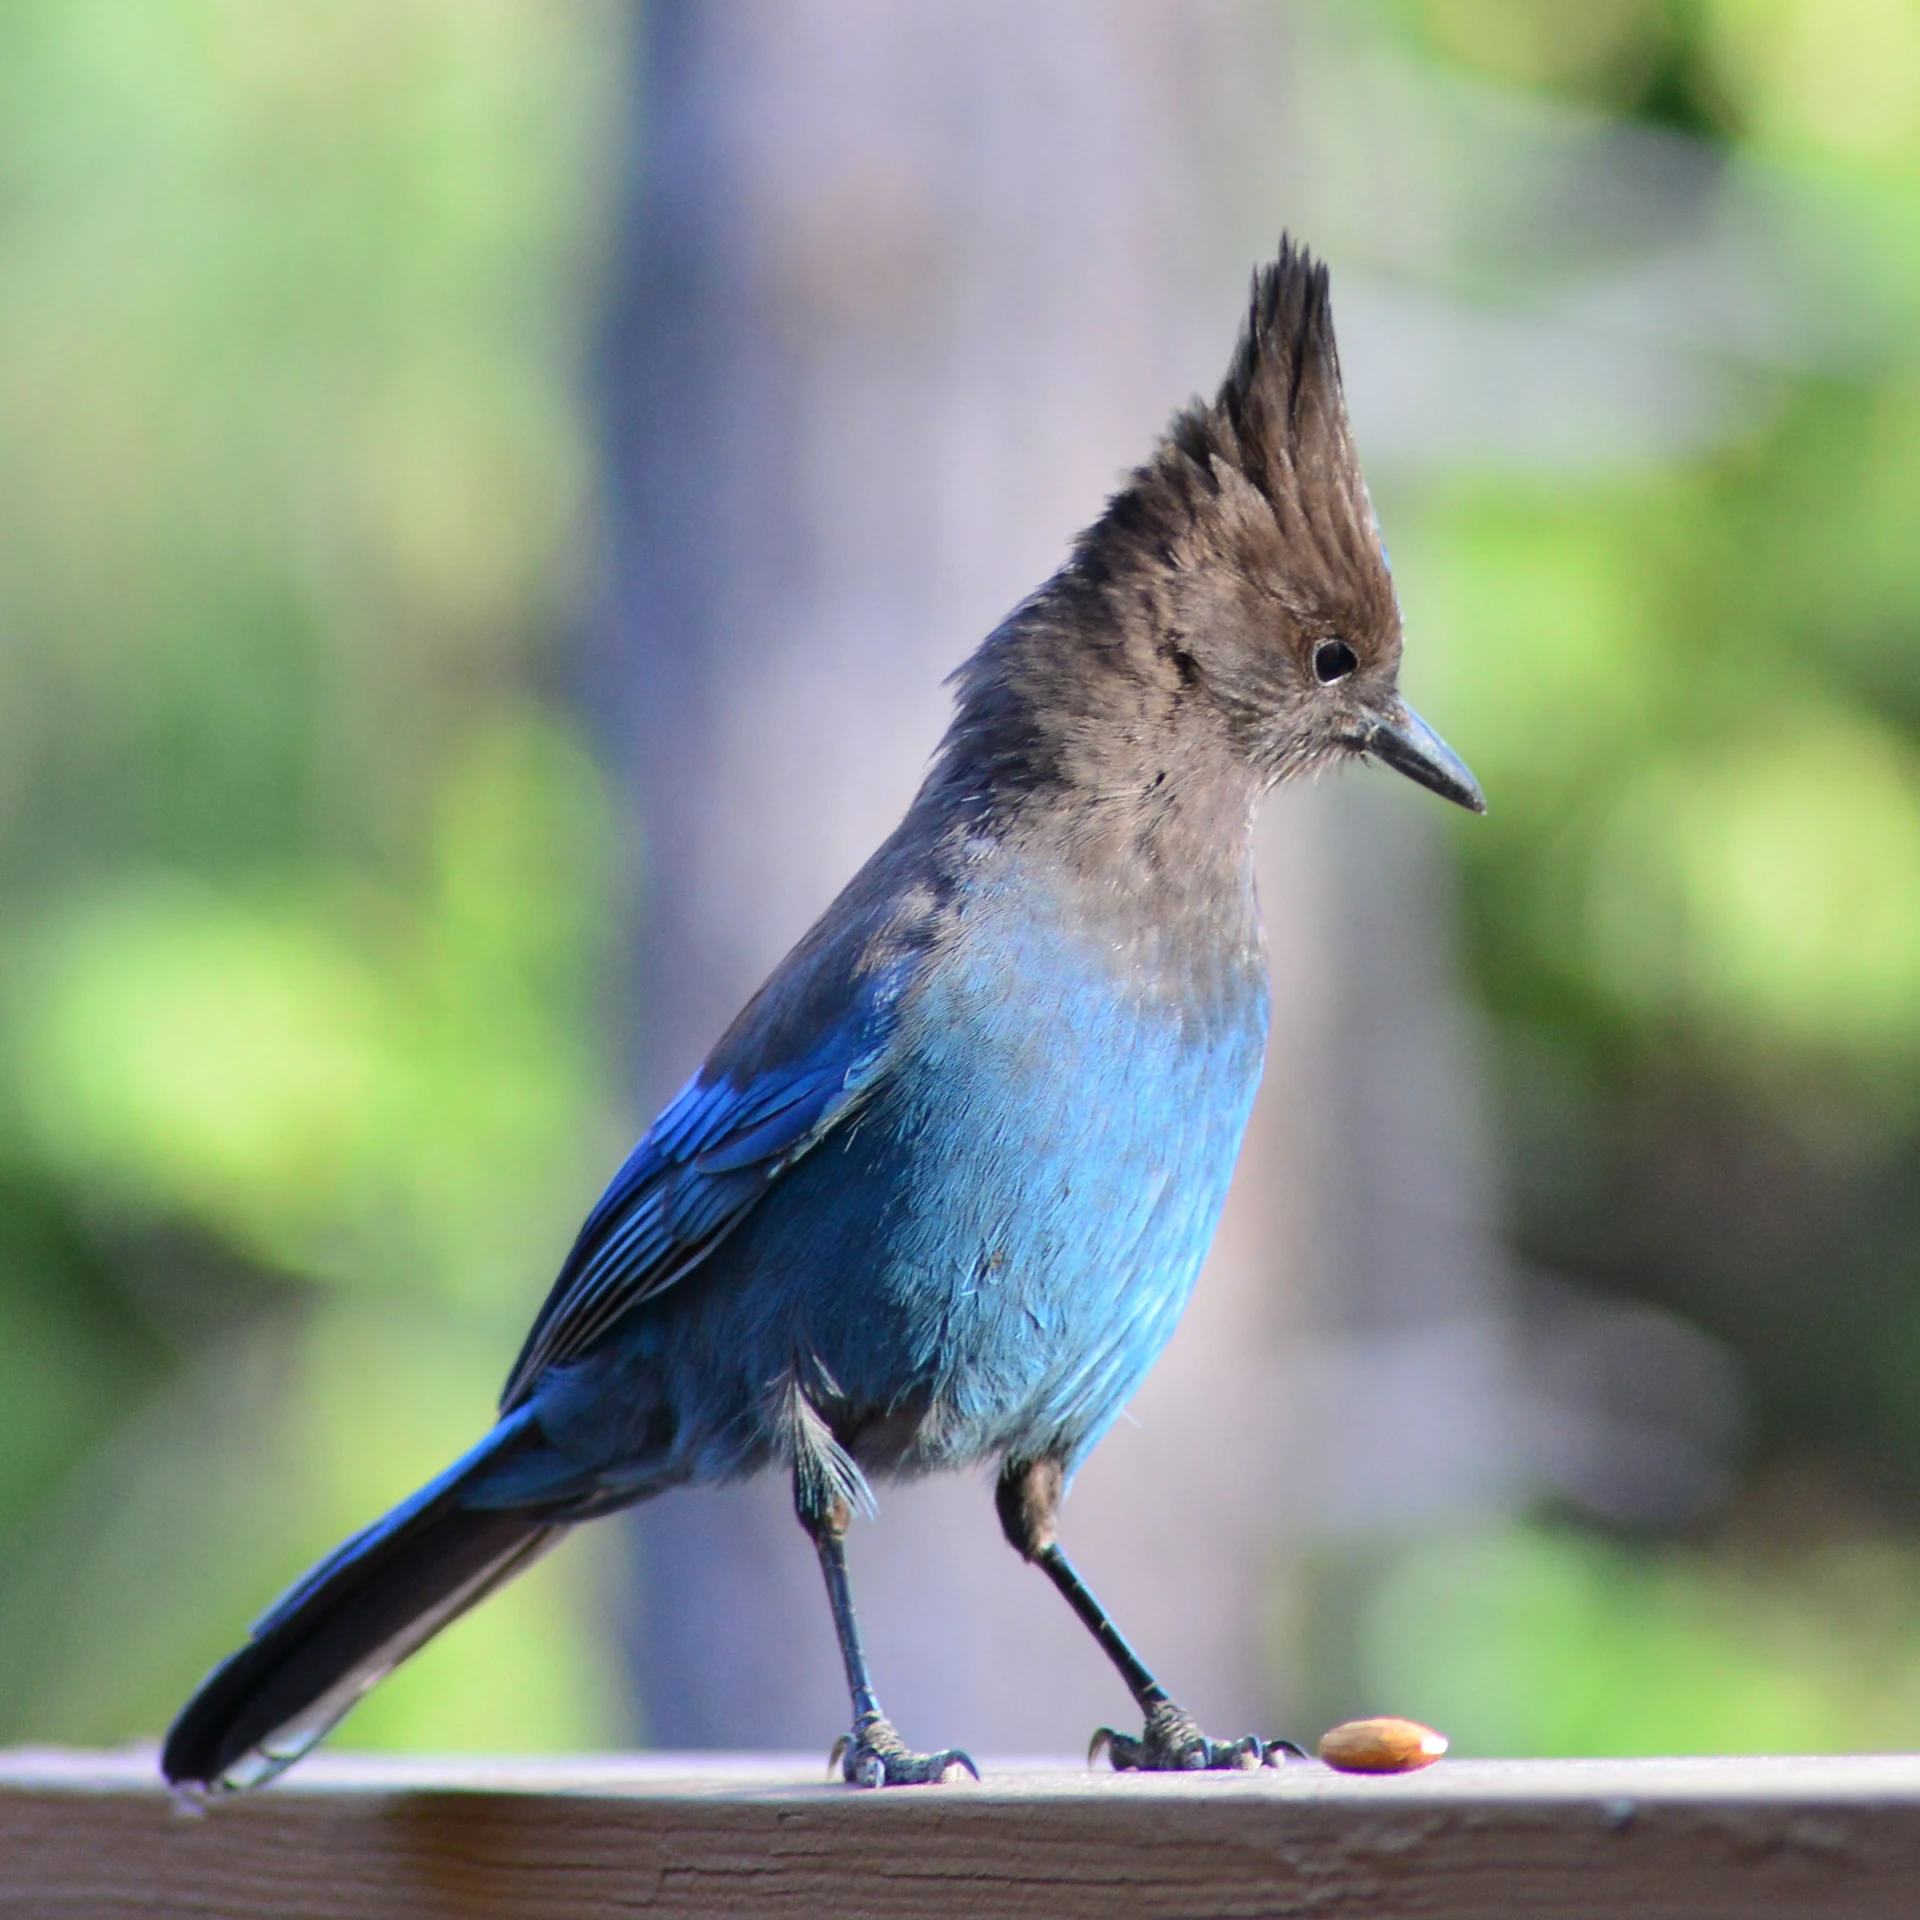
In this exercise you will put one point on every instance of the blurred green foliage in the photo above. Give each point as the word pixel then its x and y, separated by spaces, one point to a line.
pixel 1692 690
pixel 1550 1640
pixel 304 884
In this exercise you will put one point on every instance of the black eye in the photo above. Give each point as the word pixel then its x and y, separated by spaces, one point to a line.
pixel 1333 660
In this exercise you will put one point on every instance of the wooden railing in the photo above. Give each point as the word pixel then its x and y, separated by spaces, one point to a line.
pixel 94 1835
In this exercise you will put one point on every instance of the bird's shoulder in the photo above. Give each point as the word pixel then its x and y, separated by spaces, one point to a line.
pixel 801 1055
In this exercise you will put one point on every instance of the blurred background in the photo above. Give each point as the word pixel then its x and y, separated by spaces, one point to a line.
pixel 487 496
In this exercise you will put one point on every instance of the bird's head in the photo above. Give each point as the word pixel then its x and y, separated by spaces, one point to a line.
pixel 1273 606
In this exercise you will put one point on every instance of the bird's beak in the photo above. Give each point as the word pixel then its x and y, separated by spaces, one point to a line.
pixel 1408 745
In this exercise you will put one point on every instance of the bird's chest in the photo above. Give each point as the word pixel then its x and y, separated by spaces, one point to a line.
pixel 1053 1093
pixel 1048 1165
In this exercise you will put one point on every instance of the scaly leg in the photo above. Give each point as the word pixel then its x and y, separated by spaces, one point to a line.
pixel 1028 1499
pixel 873 1754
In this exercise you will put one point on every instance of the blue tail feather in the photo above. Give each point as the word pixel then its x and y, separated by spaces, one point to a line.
pixel 356 1616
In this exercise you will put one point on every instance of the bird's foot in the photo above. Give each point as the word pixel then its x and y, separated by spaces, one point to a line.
pixel 1173 1743
pixel 873 1755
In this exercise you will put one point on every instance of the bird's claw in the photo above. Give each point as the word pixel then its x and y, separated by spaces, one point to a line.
pixel 1172 1742
pixel 873 1755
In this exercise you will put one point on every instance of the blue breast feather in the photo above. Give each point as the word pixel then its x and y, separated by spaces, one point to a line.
pixel 1054 1150
pixel 965 1219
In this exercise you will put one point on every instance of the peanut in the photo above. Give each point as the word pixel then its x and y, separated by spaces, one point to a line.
pixel 1383 1745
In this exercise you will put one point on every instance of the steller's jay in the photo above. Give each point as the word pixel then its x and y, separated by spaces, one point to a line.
pixel 939 1195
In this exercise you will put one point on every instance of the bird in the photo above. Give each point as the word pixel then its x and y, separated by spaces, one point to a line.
pixel 938 1196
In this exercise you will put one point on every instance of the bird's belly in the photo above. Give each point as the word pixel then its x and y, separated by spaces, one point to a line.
pixel 996 1254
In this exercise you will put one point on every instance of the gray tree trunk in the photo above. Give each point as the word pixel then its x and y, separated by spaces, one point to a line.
pixel 906 289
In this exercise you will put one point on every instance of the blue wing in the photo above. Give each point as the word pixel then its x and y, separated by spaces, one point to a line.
pixel 718 1146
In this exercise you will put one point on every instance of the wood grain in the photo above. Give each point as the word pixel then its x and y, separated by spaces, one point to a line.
pixel 695 1836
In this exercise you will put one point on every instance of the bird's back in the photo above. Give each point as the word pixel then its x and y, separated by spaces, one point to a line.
pixel 994 1249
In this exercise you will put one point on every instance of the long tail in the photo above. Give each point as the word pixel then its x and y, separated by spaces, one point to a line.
pixel 354 1618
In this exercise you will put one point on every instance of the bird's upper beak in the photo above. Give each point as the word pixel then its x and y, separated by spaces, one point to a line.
pixel 1408 745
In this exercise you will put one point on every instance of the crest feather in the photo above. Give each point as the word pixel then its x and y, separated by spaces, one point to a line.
pixel 1282 399
pixel 1275 432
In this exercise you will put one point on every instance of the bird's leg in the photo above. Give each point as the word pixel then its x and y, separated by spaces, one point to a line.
pixel 1028 1498
pixel 872 1755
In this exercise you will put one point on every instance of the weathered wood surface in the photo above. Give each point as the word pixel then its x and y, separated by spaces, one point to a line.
pixel 90 1834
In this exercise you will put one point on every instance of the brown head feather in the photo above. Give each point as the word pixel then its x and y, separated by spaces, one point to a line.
pixel 1278 426
pixel 1191 614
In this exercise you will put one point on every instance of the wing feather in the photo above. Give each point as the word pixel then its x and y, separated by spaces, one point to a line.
pixel 713 1152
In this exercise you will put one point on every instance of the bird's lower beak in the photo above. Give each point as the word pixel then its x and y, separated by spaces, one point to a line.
pixel 1408 745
